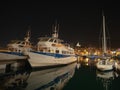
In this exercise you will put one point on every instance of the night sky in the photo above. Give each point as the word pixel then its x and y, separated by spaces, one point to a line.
pixel 79 21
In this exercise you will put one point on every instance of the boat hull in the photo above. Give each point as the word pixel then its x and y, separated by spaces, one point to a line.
pixel 108 66
pixel 11 56
pixel 39 60
pixel 105 67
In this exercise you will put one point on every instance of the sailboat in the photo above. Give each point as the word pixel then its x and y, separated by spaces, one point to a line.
pixel 105 63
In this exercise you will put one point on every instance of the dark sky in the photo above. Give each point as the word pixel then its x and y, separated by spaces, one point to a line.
pixel 79 21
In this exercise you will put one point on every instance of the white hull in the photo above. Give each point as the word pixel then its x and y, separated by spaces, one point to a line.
pixel 39 60
pixel 6 56
pixel 104 67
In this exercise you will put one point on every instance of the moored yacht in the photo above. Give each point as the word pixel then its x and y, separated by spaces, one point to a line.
pixel 52 51
pixel 49 51
pixel 6 55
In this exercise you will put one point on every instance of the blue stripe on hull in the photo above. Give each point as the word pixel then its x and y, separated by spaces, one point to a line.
pixel 14 53
pixel 52 54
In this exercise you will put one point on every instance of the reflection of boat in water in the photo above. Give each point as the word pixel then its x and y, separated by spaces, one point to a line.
pixel 15 76
pixel 14 80
pixel 51 79
pixel 106 78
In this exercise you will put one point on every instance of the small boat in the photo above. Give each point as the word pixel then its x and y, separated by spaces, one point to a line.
pixel 105 63
pixel 16 50
pixel 6 55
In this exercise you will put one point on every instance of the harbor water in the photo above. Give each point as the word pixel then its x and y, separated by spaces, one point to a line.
pixel 81 75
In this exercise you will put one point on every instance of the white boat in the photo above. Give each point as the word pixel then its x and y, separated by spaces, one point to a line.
pixel 105 63
pixel 52 51
pixel 49 51
pixel 15 50
pixel 8 55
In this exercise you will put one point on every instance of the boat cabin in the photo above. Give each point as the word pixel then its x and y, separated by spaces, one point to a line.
pixel 53 45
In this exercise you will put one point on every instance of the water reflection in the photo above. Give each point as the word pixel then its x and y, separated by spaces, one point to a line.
pixel 87 61
pixel 106 78
pixel 77 76
pixel 51 79
pixel 15 75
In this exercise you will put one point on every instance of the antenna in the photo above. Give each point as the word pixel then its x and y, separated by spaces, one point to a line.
pixel 104 34
pixel 55 30
pixel 28 35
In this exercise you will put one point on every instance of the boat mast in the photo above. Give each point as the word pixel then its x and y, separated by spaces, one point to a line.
pixel 27 38
pixel 56 29
pixel 104 36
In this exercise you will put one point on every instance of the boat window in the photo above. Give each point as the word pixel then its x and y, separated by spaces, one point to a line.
pixel 64 52
pixel 23 43
pixel 18 42
pixel 103 62
pixel 55 41
pixel 51 40
pixel 41 50
pixel 48 50
pixel 57 51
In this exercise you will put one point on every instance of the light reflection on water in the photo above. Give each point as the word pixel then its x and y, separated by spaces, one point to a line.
pixel 77 76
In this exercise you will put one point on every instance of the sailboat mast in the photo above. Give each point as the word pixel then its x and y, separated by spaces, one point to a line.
pixel 104 36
